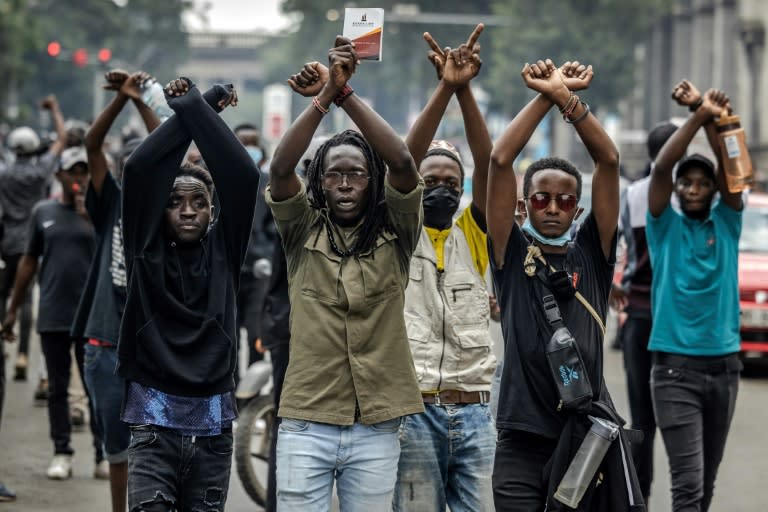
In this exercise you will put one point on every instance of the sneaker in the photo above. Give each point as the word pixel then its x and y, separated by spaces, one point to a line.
pixel 41 393
pixel 20 368
pixel 101 470
pixel 6 494
pixel 60 468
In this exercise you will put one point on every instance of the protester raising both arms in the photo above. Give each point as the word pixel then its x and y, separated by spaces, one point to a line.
pixel 177 340
pixel 545 281
pixel 348 247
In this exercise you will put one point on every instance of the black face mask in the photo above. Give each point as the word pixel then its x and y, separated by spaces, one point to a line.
pixel 440 203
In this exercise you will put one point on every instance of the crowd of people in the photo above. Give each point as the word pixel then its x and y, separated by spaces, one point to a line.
pixel 348 259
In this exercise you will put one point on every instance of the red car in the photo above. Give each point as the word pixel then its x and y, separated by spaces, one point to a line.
pixel 753 277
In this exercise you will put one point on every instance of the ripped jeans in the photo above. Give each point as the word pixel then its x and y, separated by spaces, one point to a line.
pixel 172 472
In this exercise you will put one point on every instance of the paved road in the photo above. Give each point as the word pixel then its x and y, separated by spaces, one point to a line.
pixel 25 450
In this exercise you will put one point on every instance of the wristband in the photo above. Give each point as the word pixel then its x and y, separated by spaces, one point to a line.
pixel 318 106
pixel 694 107
pixel 581 117
pixel 346 91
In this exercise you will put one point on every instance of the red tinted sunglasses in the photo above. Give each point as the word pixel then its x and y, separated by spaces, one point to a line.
pixel 540 200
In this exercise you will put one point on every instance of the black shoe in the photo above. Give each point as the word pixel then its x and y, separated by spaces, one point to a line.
pixel 6 494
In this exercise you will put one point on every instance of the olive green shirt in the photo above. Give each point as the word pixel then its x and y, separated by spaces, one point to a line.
pixel 348 343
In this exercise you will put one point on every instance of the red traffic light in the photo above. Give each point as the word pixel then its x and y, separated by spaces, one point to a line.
pixel 80 57
pixel 105 55
pixel 54 48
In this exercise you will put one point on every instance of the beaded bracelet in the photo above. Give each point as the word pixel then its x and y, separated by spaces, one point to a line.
pixel 581 117
pixel 343 94
pixel 318 106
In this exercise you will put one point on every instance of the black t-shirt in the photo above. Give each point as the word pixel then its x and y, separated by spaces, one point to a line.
pixel 528 397
pixel 103 300
pixel 64 242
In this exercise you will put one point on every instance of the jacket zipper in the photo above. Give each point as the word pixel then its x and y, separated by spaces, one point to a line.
pixel 440 277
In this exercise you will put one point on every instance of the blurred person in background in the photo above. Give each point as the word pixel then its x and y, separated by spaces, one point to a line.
pixel 101 306
pixel 257 267
pixel 23 183
pixel 60 245
pixel 633 296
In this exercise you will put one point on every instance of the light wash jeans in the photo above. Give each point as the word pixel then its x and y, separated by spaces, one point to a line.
pixel 446 458
pixel 361 458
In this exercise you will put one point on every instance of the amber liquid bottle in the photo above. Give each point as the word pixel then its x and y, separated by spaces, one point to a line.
pixel 739 174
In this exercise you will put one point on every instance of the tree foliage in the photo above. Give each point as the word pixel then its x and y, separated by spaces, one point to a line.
pixel 142 34
pixel 603 33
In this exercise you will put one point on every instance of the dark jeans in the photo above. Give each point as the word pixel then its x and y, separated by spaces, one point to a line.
pixel 25 311
pixel 694 399
pixel 518 476
pixel 168 471
pixel 637 364
pixel 57 349
pixel 279 357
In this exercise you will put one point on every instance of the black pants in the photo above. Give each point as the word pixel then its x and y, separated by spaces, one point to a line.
pixel 637 364
pixel 518 477
pixel 25 312
pixel 694 399
pixel 57 348
pixel 168 471
pixel 279 356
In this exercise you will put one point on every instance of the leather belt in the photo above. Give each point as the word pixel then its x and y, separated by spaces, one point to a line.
pixel 454 397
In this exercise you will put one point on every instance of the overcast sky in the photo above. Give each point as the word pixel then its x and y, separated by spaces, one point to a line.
pixel 237 15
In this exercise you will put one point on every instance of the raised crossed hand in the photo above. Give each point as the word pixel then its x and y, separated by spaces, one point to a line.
pixel 131 87
pixel 49 102
pixel 115 79
pixel 310 80
pixel 543 77
pixel 342 62
pixel 576 76
pixel 685 93
pixel 716 102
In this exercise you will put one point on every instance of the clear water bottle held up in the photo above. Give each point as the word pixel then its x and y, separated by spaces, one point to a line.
pixel 153 96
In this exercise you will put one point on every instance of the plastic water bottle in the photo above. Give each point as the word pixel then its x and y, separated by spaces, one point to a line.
pixel 153 96
pixel 586 461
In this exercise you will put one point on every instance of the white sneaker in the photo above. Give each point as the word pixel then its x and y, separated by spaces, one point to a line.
pixel 60 468
pixel 101 470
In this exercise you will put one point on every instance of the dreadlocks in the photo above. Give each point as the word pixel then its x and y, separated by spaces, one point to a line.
pixel 376 218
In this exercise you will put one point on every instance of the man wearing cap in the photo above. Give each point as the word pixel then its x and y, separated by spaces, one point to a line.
pixel 446 452
pixel 694 255
pixel 60 245
pixel 22 184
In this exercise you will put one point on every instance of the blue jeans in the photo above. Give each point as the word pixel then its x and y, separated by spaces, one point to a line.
pixel 106 391
pixel 694 399
pixel 362 459
pixel 446 458
pixel 172 472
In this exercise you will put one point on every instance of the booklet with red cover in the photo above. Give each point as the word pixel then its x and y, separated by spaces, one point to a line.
pixel 365 28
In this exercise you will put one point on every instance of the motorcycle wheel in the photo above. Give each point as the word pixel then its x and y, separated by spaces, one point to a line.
pixel 252 442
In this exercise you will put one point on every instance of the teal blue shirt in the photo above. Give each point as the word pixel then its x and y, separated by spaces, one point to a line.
pixel 695 289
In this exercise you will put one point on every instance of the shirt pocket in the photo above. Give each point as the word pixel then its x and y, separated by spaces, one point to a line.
pixel 320 275
pixel 380 270
pixel 467 299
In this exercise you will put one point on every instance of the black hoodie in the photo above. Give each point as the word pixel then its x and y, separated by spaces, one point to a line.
pixel 178 333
